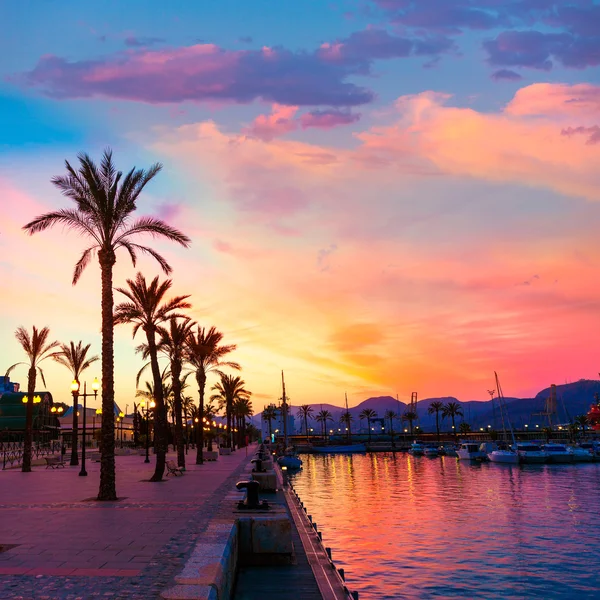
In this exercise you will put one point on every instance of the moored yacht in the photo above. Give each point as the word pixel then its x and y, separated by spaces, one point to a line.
pixel 417 449
pixel 584 452
pixel 470 451
pixel 530 453
pixel 557 453
pixel 506 456
pixel 431 451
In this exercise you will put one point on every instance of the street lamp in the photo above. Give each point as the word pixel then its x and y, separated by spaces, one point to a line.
pixel 151 404
pixel 121 415
pixel 74 455
pixel 76 394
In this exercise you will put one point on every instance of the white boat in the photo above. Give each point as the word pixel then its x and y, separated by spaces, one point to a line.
pixel 290 461
pixel 585 452
pixel 431 451
pixel 417 449
pixel 558 453
pixel 507 457
pixel 470 451
pixel 339 449
pixel 531 453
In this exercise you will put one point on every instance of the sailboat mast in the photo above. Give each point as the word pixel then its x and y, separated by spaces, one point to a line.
pixel 284 412
pixel 502 405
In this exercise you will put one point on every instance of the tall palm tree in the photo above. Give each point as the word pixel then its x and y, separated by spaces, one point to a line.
pixel 105 202
pixel 242 408
pixel 75 359
pixel 227 391
pixel 210 411
pixel 410 416
pixel 205 355
pixel 322 417
pixel 172 344
pixel 269 414
pixel 452 410
pixel 464 427
pixel 583 421
pixel 390 415
pixel 346 419
pixel 147 309
pixel 435 407
pixel 368 414
pixel 305 412
pixel 38 348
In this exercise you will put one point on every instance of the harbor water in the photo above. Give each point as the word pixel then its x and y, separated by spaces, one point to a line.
pixel 416 527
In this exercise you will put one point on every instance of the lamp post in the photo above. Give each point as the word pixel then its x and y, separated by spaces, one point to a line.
pixel 76 394
pixel 121 415
pixel 151 404
pixel 75 391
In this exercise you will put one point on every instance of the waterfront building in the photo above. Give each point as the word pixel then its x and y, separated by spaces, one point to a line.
pixel 93 425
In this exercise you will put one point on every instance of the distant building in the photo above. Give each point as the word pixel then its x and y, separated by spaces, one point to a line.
pixel 6 385
pixel 13 407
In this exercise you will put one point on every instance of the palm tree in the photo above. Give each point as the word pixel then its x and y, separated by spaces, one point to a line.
pixel 75 359
pixel 452 410
pixel 322 417
pixel 148 310
pixel 435 407
pixel 228 390
pixel 583 421
pixel 269 414
pixel 368 414
pixel 391 415
pixel 210 412
pixel 105 202
pixel 464 427
pixel 410 416
pixel 305 412
pixel 38 348
pixel 346 419
pixel 242 408
pixel 205 355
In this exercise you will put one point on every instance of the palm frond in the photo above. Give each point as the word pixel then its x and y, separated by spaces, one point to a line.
pixel 82 263
pixel 156 228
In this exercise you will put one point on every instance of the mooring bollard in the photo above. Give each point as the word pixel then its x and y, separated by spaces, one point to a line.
pixel 320 534
pixel 328 550
pixel 354 595
pixel 342 574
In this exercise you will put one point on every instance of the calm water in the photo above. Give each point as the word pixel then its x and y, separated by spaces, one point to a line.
pixel 417 527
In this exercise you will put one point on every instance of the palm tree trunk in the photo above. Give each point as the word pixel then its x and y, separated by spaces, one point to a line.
pixel 306 427
pixel 160 411
pixel 228 415
pixel 179 445
pixel 108 487
pixel 369 426
pixel 201 380
pixel 28 439
pixel 437 424
pixel 74 434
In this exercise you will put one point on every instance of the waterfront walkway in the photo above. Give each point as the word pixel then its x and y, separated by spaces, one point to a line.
pixel 67 546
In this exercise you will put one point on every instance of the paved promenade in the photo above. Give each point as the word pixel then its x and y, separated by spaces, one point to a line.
pixel 68 546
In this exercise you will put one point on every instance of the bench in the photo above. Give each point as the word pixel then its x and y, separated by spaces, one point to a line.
pixel 173 469
pixel 54 462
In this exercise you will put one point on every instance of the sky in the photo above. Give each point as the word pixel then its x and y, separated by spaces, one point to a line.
pixel 383 196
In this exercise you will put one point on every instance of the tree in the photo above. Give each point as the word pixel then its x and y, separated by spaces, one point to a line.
pixel 583 421
pixel 205 355
pixel 390 415
pixel 464 427
pixel 210 412
pixel 105 202
pixel 148 310
pixel 75 359
pixel 242 408
pixel 305 412
pixel 346 419
pixel 410 416
pixel 435 407
pixel 38 348
pixel 322 417
pixel 452 410
pixel 269 414
pixel 368 414
pixel 228 390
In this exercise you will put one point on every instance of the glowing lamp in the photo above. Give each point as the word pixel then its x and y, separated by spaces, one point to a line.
pixel 152 404
pixel 75 386
pixel 121 414
pixel 95 385
pixel 53 409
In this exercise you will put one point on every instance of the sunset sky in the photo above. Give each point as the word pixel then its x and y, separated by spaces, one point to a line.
pixel 383 196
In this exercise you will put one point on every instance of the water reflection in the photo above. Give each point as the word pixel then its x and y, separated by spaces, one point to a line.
pixel 414 527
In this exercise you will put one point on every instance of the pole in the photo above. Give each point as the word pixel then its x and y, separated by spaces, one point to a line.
pixel 83 472
pixel 74 455
pixel 284 412
pixel 147 437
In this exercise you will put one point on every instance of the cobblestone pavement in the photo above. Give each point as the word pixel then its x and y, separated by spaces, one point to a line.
pixel 67 546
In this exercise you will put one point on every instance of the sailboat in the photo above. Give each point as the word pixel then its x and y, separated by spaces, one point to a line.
pixel 506 456
pixel 290 459
pixel 341 448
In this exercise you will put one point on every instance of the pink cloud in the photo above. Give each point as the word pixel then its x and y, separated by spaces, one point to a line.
pixel 279 122
pixel 327 119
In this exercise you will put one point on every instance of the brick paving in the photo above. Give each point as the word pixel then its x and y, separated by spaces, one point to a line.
pixel 68 546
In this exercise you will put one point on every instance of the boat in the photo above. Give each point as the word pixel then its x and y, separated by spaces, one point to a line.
pixel 339 449
pixel 290 460
pixel 417 449
pixel 447 450
pixel 470 451
pixel 584 452
pixel 431 451
pixel 531 453
pixel 558 453
pixel 504 455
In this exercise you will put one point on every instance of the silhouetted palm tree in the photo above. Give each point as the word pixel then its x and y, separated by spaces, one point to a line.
pixel 38 348
pixel 228 390
pixel 205 355
pixel 269 414
pixel 305 412
pixel 148 310
pixel 346 419
pixel 452 410
pixel 242 408
pixel 583 421
pixel 105 203
pixel 464 427
pixel 75 359
pixel 322 417
pixel 210 412
pixel 436 407
pixel 390 415
pixel 410 416
pixel 368 414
